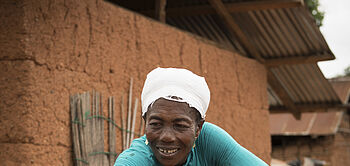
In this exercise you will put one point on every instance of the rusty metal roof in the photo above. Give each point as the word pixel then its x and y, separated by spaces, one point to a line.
pixel 305 84
pixel 278 33
pixel 342 87
pixel 282 34
pixel 322 123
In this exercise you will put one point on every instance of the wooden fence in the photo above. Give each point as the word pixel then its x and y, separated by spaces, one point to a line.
pixel 88 128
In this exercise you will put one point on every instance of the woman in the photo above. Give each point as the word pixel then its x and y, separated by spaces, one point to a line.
pixel 174 104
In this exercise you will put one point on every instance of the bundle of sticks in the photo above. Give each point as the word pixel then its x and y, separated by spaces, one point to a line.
pixel 88 127
pixel 128 132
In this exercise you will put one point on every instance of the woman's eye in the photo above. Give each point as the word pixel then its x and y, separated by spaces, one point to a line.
pixel 154 124
pixel 181 126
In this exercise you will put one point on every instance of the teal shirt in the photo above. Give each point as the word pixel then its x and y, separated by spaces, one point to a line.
pixel 214 146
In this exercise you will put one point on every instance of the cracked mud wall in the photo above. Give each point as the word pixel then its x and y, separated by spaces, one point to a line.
pixel 51 49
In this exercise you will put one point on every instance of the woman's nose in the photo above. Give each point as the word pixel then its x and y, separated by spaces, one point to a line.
pixel 167 135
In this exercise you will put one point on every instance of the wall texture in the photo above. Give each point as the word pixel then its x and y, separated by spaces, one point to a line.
pixel 341 148
pixel 334 149
pixel 341 145
pixel 52 49
pixel 291 148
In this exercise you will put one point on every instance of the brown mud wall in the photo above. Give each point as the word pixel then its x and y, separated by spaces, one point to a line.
pixel 298 147
pixel 52 49
pixel 341 150
pixel 334 149
pixel 341 144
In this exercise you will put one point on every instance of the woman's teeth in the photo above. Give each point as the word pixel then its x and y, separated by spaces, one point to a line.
pixel 168 151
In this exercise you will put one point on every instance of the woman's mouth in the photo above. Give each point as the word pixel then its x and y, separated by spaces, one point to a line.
pixel 168 151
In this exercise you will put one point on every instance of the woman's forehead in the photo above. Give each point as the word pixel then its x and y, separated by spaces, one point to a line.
pixel 170 103
pixel 163 107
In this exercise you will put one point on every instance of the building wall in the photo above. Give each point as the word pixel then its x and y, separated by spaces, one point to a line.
pixel 289 148
pixel 341 86
pixel 334 149
pixel 341 145
pixel 52 49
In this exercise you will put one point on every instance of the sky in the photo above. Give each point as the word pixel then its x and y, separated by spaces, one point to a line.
pixel 336 31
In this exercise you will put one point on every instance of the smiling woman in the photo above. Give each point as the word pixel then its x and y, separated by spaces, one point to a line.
pixel 174 104
pixel 171 129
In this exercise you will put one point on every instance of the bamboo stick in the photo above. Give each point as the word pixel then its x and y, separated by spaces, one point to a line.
pixel 141 126
pixel 129 115
pixel 81 128
pixel 94 124
pixel 112 139
pixel 123 124
pixel 103 157
pixel 93 114
pixel 87 127
pixel 76 143
pixel 101 141
pixel 109 126
pixel 133 120
pixel 97 125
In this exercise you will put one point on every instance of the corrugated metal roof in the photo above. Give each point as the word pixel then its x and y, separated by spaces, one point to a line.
pixel 287 33
pixel 276 33
pixel 322 123
pixel 341 86
pixel 305 84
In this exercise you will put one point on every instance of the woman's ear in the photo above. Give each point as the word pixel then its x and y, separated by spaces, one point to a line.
pixel 199 127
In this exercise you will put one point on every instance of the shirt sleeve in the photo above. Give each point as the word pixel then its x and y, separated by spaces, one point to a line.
pixel 221 149
pixel 138 154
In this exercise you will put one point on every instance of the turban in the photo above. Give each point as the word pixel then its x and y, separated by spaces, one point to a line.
pixel 168 82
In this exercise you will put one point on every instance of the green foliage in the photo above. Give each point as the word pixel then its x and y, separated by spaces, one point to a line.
pixel 347 71
pixel 313 8
pixel 345 74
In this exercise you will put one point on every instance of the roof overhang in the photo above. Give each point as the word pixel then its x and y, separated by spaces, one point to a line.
pixel 280 34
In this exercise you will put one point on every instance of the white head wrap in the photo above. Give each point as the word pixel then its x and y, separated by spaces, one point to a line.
pixel 182 83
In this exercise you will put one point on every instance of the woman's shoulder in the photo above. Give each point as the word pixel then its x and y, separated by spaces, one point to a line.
pixel 138 154
pixel 219 148
pixel 210 125
pixel 209 129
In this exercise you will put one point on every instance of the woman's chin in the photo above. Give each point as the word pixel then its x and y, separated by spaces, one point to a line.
pixel 169 159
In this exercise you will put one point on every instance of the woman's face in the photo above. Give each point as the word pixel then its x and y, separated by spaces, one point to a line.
pixel 171 129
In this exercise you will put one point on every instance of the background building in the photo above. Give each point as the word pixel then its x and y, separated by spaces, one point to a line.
pixel 322 136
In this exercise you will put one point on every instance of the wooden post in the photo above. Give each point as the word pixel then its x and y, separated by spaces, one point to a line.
pixel 75 130
pixel 112 139
pixel 80 116
pixel 87 128
pixel 160 13
pixel 123 125
pixel 282 93
pixel 222 11
pixel 129 115
pixel 141 126
pixel 232 7
pixel 133 120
